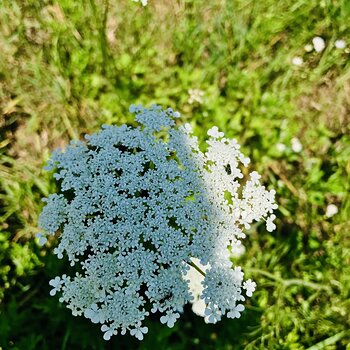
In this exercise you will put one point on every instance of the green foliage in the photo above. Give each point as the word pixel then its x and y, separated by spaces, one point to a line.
pixel 67 67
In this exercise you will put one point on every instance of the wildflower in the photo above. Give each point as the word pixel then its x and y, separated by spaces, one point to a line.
pixel 281 147
pixel 331 210
pixel 296 145
pixel 308 47
pixel 340 44
pixel 137 208
pixel 143 2
pixel 195 96
pixel 319 43
pixel 297 61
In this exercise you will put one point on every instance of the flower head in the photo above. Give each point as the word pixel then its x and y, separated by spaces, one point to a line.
pixel 281 147
pixel 136 207
pixel 297 61
pixel 331 210
pixel 143 2
pixel 319 43
pixel 195 96
pixel 297 147
pixel 340 44
pixel 308 47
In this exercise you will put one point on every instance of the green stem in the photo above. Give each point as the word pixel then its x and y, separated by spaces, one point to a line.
pixel 102 31
pixel 191 263
pixel 289 282
pixel 266 274
pixel 103 38
pixel 300 282
pixel 329 341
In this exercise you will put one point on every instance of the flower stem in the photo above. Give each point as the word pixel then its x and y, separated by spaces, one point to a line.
pixel 288 282
pixel 191 263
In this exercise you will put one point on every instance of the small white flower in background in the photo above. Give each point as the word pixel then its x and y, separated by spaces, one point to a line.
pixel 146 205
pixel 319 43
pixel 308 47
pixel 297 61
pixel 143 2
pixel 331 210
pixel 195 96
pixel 340 44
pixel 281 147
pixel 296 145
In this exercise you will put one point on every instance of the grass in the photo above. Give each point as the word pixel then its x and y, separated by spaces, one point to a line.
pixel 67 67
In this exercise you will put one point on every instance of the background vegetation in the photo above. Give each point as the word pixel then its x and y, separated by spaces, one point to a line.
pixel 67 67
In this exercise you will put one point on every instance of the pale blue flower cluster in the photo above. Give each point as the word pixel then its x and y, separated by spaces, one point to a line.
pixel 135 205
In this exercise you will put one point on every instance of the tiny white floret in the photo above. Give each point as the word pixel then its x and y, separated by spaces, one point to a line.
pixel 235 313
pixel 56 284
pixel 215 133
pixel 249 286
pixel 139 332
pixel 169 319
pixel 270 226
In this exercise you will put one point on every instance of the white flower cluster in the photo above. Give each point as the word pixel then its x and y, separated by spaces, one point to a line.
pixel 195 96
pixel 143 2
pixel 136 205
pixel 318 44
